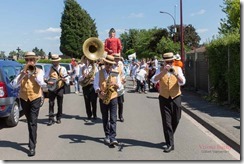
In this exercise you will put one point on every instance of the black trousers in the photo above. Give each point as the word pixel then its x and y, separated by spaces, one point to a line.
pixel 59 94
pixel 31 110
pixel 109 117
pixel 90 97
pixel 170 113
pixel 120 105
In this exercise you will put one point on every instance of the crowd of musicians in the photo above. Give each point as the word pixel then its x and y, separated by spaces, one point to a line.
pixel 105 80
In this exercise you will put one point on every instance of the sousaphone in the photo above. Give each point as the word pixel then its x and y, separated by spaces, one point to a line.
pixel 93 49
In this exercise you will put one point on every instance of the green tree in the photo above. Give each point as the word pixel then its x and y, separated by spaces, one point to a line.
pixel 191 38
pixel 232 21
pixel 77 26
pixel 39 52
pixel 12 53
pixel 2 54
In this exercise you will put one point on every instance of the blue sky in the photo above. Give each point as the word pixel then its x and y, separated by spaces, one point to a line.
pixel 36 23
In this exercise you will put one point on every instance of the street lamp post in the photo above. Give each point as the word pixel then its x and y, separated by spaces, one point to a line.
pixel 163 12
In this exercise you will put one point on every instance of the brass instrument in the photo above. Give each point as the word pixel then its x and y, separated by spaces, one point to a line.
pixel 87 80
pixel 171 70
pixel 30 69
pixel 108 92
pixel 93 49
pixel 109 88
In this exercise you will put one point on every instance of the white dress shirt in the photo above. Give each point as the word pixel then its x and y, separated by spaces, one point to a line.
pixel 39 79
pixel 180 74
pixel 106 75
pixel 63 72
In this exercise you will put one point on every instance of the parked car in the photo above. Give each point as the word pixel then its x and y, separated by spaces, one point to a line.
pixel 10 107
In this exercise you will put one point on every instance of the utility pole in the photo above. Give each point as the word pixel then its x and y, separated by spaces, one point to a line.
pixel 182 54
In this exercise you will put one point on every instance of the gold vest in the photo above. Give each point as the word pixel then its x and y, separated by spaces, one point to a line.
pixel 53 74
pixel 168 85
pixel 29 88
pixel 103 84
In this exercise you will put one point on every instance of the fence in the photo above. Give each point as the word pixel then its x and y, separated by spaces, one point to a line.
pixel 196 70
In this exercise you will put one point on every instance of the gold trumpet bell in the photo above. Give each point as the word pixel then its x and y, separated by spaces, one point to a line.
pixel 93 48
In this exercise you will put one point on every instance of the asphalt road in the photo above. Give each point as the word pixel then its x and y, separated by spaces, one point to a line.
pixel 141 135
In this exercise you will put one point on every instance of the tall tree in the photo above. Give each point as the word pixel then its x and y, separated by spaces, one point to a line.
pixel 232 21
pixel 77 26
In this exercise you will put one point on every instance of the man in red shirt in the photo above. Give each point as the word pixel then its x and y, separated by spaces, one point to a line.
pixel 112 44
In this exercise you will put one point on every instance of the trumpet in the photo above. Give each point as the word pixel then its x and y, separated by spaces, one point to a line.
pixel 171 70
pixel 30 69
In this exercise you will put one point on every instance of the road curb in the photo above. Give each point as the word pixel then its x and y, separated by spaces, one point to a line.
pixel 213 130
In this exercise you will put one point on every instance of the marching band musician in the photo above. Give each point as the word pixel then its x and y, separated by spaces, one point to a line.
pixel 119 66
pixel 60 74
pixel 30 82
pixel 106 85
pixel 86 80
pixel 170 79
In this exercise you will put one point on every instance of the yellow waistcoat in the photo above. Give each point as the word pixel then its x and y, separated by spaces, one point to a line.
pixel 53 74
pixel 103 84
pixel 30 89
pixel 168 85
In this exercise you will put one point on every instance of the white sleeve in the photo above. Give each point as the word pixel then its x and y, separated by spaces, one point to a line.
pixel 64 72
pixel 40 78
pixel 156 73
pixel 96 82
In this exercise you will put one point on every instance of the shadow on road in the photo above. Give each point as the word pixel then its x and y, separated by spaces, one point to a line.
pixel 14 145
pixel 123 143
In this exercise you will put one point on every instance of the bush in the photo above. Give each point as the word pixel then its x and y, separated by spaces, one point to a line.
pixel 224 68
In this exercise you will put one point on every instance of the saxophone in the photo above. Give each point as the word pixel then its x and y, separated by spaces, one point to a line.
pixel 87 80
pixel 109 90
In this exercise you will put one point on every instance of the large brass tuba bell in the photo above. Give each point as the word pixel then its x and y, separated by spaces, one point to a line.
pixel 93 48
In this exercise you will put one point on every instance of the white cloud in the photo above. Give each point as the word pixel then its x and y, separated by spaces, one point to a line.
pixel 50 29
pixel 201 30
pixel 53 38
pixel 136 15
pixel 201 12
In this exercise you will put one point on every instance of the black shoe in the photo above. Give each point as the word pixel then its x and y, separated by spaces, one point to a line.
pixel 107 140
pixel 169 149
pixel 58 121
pixel 32 152
pixel 114 142
pixel 50 122
pixel 94 117
pixel 121 119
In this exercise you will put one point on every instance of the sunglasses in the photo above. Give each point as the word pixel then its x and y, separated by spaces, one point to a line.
pixel 29 60
pixel 169 62
pixel 108 64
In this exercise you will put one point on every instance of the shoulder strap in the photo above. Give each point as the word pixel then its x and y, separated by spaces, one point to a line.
pixel 57 71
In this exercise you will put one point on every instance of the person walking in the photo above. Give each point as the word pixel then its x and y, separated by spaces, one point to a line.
pixel 119 66
pixel 86 80
pixel 75 76
pixel 112 44
pixel 56 77
pixel 170 79
pixel 106 83
pixel 30 80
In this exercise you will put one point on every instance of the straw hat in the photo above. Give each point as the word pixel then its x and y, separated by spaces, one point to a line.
pixel 31 55
pixel 177 57
pixel 117 56
pixel 109 59
pixel 55 57
pixel 168 56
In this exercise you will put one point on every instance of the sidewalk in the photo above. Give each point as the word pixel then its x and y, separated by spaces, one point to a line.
pixel 221 121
